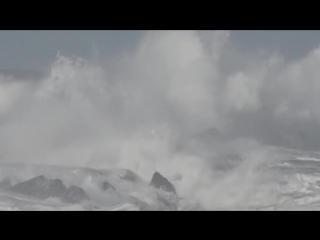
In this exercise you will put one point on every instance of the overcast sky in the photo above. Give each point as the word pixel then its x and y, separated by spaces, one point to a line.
pixel 36 50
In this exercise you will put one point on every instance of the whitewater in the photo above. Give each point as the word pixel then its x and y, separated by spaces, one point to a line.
pixel 228 130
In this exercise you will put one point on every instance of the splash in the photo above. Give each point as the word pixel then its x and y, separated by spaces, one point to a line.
pixel 144 114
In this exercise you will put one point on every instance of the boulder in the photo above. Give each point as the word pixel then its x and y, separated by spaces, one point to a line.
pixel 106 186
pixel 40 187
pixel 160 182
pixel 43 188
pixel 75 195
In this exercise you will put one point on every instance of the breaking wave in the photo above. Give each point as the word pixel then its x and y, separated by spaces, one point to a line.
pixel 218 123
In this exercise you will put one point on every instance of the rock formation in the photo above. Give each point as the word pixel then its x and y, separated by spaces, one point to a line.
pixel 160 182
pixel 43 188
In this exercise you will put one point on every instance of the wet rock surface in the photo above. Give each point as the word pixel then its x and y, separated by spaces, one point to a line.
pixel 107 186
pixel 43 188
pixel 75 195
pixel 160 182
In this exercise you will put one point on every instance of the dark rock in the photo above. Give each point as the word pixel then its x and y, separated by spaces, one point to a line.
pixel 160 182
pixel 40 187
pixel 75 195
pixel 106 186
pixel 56 188
pixel 43 188
pixel 167 203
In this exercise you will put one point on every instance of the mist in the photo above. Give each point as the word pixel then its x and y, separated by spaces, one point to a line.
pixel 184 103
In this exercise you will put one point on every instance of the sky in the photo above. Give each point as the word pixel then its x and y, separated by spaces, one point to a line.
pixel 35 50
